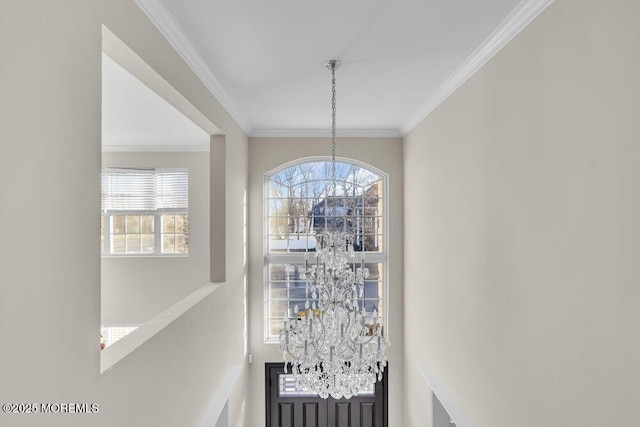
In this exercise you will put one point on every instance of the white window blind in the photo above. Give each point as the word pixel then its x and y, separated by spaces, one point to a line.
pixel 172 189
pixel 144 189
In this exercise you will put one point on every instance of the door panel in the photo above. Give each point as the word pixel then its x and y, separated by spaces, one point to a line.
pixel 357 412
pixel 367 414
pixel 343 414
pixel 297 409
pixel 285 413
pixel 310 416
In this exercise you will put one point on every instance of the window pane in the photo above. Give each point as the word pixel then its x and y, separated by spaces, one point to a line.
pixel 168 243
pixel 287 388
pixel 276 207
pixel 133 243
pixel 182 223
pixel 118 224
pixel 277 308
pixel 278 243
pixel 275 326
pixel 147 243
pixel 372 289
pixel 295 272
pixel 133 223
pixel 373 225
pixel 147 223
pixel 298 290
pixel 277 290
pixel 375 270
pixel 175 237
pixel 370 305
pixel 275 225
pixel 168 223
pixel 182 244
pixel 118 244
pixel 278 271
pixel 373 207
pixel 373 243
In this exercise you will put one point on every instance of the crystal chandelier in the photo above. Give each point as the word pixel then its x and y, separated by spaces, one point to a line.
pixel 333 346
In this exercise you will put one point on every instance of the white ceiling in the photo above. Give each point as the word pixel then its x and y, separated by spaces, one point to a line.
pixel 264 59
pixel 135 117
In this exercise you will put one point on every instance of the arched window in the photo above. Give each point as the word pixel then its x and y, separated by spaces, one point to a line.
pixel 300 201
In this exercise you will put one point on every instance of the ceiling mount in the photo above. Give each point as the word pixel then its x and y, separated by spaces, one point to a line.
pixel 333 64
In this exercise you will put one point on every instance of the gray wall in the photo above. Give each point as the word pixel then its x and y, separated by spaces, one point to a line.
pixel 522 232
pixel 441 417
pixel 50 61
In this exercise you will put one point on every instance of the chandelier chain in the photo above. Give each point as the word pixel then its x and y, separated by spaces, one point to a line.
pixel 333 122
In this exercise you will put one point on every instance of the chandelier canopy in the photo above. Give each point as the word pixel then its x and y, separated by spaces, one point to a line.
pixel 333 346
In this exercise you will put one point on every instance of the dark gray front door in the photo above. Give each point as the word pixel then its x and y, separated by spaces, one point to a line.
pixel 287 407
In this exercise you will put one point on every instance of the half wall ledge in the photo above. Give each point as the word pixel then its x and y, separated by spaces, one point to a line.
pixel 447 401
pixel 128 344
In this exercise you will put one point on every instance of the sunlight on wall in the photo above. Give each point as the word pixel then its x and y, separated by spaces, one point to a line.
pixel 245 294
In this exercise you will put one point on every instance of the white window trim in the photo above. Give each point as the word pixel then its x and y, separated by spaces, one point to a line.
pixel 370 257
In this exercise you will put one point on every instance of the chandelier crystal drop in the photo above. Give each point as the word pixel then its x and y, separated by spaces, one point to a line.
pixel 332 346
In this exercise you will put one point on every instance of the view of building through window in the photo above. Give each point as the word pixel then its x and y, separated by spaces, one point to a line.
pixel 301 201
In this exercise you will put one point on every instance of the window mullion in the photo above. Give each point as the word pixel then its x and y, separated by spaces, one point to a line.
pixel 157 232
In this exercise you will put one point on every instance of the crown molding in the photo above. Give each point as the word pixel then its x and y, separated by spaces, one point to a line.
pixel 165 22
pixel 154 148
pixel 324 133
pixel 525 12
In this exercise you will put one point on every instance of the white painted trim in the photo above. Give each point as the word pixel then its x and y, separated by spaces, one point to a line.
pixel 129 343
pixel 453 409
pixel 525 12
pixel 165 22
pixel 154 148
pixel 322 133
pixel 220 398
